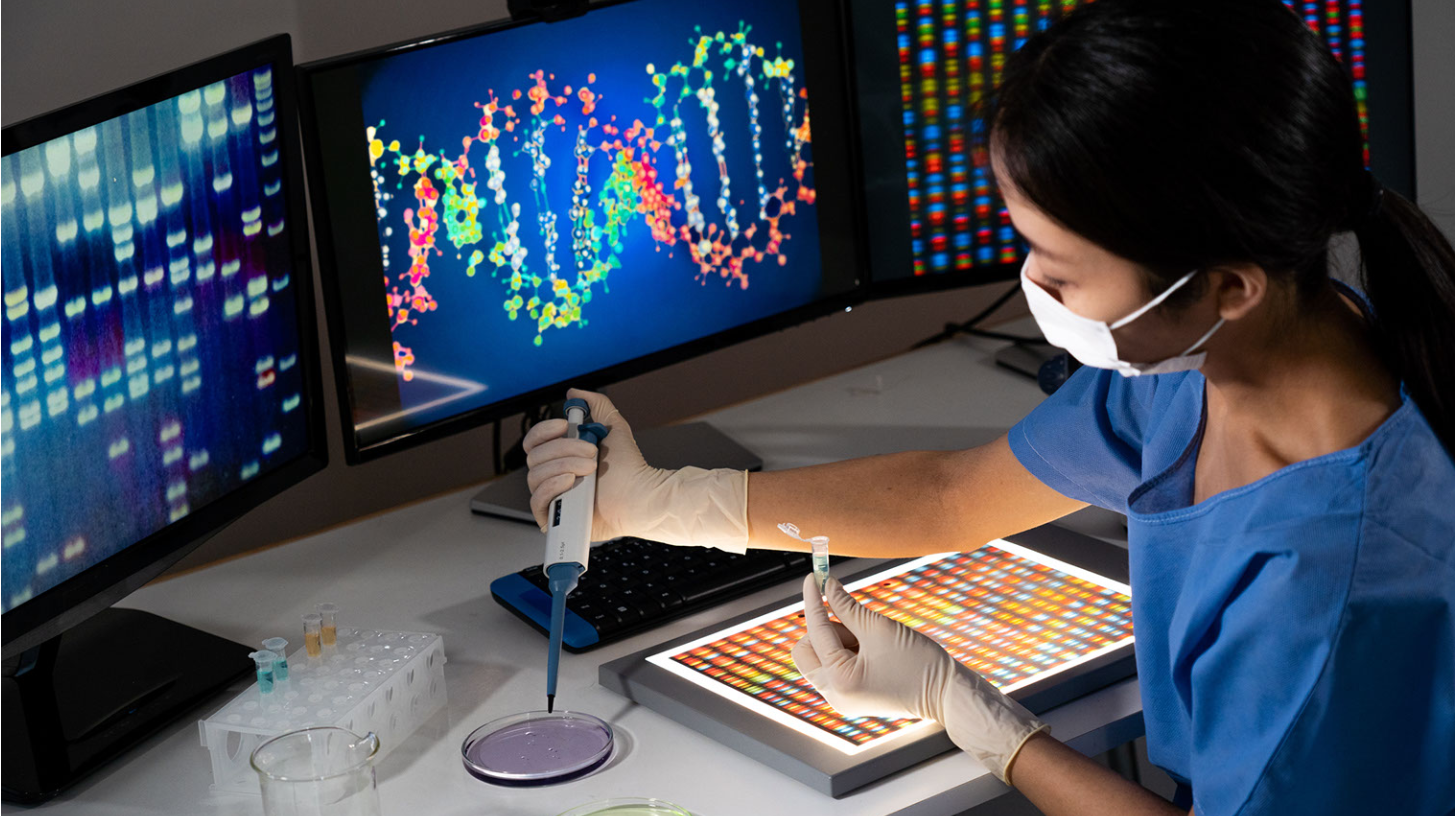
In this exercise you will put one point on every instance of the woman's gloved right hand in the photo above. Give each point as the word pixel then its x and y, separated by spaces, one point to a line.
pixel 690 506
pixel 868 664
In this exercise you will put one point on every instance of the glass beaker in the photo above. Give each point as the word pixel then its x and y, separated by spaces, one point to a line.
pixel 318 772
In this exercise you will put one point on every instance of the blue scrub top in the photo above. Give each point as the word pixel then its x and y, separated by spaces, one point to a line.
pixel 1295 636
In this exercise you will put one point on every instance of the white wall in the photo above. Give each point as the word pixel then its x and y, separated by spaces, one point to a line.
pixel 56 52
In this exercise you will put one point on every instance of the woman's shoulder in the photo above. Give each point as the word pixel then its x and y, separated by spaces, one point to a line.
pixel 1139 401
pixel 1410 487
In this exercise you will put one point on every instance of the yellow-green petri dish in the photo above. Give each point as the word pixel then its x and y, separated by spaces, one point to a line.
pixel 627 807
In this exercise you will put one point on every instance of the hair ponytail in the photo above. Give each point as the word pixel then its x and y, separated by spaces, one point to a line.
pixel 1409 278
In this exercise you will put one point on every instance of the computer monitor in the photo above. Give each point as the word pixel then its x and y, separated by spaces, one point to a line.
pixel 921 67
pixel 158 379
pixel 513 209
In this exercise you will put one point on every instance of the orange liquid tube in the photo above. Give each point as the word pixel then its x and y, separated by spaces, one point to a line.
pixel 329 629
pixel 313 634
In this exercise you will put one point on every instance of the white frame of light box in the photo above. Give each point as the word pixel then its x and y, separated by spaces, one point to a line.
pixel 828 764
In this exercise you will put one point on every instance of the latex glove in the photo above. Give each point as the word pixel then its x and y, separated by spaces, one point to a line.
pixel 691 506
pixel 870 665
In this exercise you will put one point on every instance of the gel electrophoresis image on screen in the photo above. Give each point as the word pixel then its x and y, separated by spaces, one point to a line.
pixel 554 199
pixel 950 54
pixel 1011 614
pixel 150 351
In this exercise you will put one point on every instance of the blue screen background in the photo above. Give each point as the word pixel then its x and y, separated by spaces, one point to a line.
pixel 150 354
pixel 466 350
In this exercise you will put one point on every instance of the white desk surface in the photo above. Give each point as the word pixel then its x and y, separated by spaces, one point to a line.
pixel 428 566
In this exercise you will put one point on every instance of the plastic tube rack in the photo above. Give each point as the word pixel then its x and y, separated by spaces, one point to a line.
pixel 386 682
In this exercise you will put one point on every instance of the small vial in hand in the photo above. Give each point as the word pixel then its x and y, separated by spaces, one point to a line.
pixel 819 546
pixel 329 630
pixel 312 634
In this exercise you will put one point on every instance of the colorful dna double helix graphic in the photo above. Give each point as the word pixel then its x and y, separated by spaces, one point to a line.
pixel 649 176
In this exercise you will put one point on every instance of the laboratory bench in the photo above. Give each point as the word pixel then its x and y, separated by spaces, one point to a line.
pixel 427 567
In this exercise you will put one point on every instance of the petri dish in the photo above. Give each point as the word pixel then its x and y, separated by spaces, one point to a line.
pixel 536 748
pixel 628 807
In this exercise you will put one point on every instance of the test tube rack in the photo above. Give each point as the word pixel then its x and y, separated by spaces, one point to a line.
pixel 385 682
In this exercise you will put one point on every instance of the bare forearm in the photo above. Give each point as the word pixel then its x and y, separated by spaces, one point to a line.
pixel 879 506
pixel 1061 782
pixel 903 504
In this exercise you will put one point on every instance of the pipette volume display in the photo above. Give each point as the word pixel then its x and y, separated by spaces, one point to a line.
pixel 568 539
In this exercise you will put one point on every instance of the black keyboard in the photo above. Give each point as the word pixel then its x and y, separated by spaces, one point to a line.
pixel 633 585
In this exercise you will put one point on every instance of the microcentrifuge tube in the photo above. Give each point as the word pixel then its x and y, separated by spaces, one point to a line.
pixel 312 634
pixel 264 661
pixel 330 627
pixel 278 646
pixel 819 545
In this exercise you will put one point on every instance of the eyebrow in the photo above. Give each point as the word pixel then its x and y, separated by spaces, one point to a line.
pixel 1041 250
pixel 1038 250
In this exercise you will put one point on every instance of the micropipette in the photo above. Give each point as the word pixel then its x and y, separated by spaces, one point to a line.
pixel 568 538
pixel 820 548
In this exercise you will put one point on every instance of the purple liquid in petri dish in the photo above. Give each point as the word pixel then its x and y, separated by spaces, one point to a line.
pixel 538 748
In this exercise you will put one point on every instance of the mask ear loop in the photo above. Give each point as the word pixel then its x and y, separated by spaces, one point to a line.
pixel 1205 337
pixel 1156 301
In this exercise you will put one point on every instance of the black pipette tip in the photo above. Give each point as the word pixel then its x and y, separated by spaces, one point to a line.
pixel 550 703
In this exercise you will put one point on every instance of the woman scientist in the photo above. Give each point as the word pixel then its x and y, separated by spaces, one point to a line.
pixel 1280 445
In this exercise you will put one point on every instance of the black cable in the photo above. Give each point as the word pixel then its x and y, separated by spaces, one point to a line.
pixel 1014 338
pixel 968 327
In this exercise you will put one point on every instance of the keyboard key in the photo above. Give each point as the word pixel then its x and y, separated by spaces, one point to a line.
pixel 727 580
pixel 640 601
pixel 663 595
pixel 603 621
pixel 625 613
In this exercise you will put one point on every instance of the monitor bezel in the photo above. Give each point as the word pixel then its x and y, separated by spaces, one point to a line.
pixel 71 602
pixel 831 33
pixel 1389 53
pixel 1389 31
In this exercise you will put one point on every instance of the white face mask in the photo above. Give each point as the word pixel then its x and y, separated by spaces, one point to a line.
pixel 1091 341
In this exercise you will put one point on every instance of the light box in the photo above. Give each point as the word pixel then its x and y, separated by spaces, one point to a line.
pixel 1046 617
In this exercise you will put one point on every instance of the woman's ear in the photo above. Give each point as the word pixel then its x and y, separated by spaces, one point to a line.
pixel 1240 289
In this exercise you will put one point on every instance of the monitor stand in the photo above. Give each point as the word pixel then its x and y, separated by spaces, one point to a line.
pixel 84 697
pixel 672 446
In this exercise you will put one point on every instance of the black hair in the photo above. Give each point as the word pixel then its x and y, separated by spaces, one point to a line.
pixel 1199 133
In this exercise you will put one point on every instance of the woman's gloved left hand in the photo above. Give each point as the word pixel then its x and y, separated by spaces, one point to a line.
pixel 870 665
